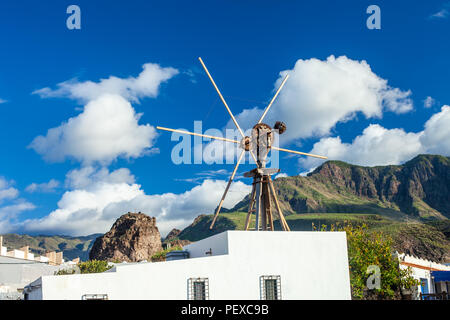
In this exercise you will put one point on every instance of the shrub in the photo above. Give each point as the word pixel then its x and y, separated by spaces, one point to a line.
pixel 161 255
pixel 373 248
pixel 64 272
pixel 94 266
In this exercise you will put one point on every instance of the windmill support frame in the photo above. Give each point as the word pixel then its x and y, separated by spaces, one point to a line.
pixel 262 196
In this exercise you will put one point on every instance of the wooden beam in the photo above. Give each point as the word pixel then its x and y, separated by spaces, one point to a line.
pixel 273 99
pixel 280 213
pixel 197 134
pixel 221 97
pixel 298 152
pixel 226 189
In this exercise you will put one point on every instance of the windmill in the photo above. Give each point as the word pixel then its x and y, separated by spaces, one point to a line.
pixel 258 145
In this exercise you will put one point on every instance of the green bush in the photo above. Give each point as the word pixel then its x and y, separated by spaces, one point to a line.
pixel 94 266
pixel 161 255
pixel 64 272
pixel 373 248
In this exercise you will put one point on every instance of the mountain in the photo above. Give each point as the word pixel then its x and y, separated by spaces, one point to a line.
pixel 411 202
pixel 418 189
pixel 72 247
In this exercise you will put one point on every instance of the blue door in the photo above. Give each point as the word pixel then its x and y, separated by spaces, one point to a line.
pixel 424 285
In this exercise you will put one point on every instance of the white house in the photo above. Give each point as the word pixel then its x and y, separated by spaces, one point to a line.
pixel 230 265
pixel 20 267
pixel 422 270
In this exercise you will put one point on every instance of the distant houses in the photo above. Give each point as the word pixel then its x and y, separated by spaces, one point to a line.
pixel 434 277
pixel 19 267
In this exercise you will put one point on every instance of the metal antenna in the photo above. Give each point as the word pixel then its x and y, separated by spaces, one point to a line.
pixel 263 193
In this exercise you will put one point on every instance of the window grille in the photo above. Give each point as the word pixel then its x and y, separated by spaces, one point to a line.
pixel 198 289
pixel 270 287
pixel 94 297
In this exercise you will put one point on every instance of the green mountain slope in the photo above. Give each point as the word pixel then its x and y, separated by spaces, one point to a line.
pixel 418 189
pixel 72 247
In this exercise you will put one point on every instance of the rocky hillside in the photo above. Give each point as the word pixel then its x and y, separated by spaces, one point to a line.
pixel 72 247
pixel 133 237
pixel 174 240
pixel 420 189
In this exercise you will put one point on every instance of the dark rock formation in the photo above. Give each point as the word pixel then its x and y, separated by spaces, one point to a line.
pixel 133 237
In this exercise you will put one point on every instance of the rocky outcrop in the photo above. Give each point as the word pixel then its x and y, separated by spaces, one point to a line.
pixel 173 234
pixel 173 239
pixel 133 237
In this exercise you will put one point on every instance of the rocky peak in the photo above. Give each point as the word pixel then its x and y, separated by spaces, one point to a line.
pixel 133 237
pixel 172 234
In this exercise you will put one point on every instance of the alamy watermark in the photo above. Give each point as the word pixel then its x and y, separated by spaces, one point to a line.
pixel 197 149
pixel 73 22
pixel 374 280
pixel 374 20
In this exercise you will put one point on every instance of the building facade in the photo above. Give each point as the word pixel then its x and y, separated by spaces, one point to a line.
pixel 230 265
pixel 423 270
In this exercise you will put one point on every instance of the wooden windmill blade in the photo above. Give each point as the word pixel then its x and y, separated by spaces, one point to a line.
pixel 273 99
pixel 298 152
pixel 226 189
pixel 198 134
pixel 226 105
pixel 222 98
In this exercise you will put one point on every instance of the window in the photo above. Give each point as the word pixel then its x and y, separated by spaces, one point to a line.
pixel 94 297
pixel 270 287
pixel 198 289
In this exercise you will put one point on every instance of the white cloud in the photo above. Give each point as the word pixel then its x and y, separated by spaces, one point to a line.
pixel 319 94
pixel 7 192
pixel 428 102
pixel 107 128
pixel 11 205
pixel 2 101
pixel 98 197
pixel 435 137
pixel 381 146
pixel 441 14
pixel 9 213
pixel 45 187
pixel 132 88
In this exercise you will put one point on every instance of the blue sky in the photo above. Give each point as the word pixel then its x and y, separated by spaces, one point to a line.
pixel 245 46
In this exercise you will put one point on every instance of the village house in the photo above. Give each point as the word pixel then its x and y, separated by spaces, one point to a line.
pixel 20 267
pixel 434 277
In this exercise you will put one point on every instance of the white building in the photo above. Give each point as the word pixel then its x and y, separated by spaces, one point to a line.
pixel 422 270
pixel 20 267
pixel 230 265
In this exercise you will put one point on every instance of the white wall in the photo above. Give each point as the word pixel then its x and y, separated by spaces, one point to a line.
pixel 312 265
pixel 16 254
